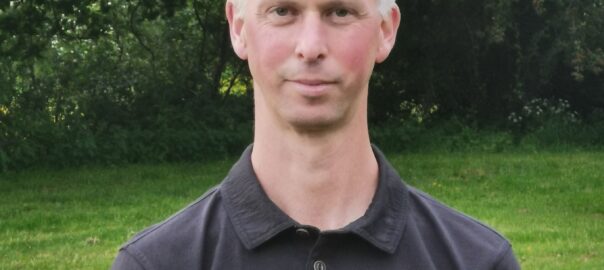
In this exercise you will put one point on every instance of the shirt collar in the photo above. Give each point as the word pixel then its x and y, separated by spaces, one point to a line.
pixel 257 219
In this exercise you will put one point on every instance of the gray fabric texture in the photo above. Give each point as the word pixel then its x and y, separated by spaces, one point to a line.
pixel 236 226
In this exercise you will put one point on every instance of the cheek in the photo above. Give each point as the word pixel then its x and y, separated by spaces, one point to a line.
pixel 267 50
pixel 356 52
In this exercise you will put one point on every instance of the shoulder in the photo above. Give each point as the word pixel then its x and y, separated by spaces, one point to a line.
pixel 175 237
pixel 425 208
pixel 466 240
pixel 188 218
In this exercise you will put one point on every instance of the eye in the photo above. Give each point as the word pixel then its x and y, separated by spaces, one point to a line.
pixel 340 12
pixel 281 11
pixel 281 15
pixel 342 15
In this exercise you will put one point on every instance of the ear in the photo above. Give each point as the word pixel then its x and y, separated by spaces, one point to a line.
pixel 388 30
pixel 236 30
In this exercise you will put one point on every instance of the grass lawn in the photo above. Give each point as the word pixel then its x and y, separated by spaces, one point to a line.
pixel 550 205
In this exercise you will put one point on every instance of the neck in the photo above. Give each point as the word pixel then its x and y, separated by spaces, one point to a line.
pixel 322 179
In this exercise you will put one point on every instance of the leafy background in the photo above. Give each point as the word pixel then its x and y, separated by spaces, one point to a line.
pixel 130 81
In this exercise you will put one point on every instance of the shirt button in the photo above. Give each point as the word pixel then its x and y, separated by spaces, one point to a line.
pixel 319 265
pixel 303 233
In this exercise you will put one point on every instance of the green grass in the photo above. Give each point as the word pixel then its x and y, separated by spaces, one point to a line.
pixel 550 205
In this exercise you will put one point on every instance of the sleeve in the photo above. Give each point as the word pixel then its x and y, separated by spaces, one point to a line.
pixel 507 260
pixel 125 261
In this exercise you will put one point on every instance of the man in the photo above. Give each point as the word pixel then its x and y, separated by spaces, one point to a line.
pixel 312 192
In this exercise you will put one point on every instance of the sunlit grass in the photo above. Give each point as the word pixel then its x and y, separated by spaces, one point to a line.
pixel 550 206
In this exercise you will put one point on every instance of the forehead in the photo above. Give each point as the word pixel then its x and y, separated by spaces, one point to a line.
pixel 312 2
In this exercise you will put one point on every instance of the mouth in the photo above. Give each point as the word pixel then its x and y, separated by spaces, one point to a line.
pixel 313 82
pixel 312 87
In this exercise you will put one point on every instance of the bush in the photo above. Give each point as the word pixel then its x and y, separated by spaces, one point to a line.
pixel 553 124
pixel 452 135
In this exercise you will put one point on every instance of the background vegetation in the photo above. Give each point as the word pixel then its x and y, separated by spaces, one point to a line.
pixel 121 81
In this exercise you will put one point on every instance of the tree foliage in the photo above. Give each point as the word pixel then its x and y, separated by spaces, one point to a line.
pixel 117 81
pixel 483 60
pixel 114 81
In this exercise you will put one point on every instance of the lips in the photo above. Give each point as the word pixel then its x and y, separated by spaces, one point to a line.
pixel 313 82
pixel 312 88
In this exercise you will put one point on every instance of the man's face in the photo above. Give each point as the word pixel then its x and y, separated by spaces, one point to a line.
pixel 311 60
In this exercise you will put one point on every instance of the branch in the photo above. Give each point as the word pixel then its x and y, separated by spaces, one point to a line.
pixel 221 60
pixel 138 37
pixel 235 77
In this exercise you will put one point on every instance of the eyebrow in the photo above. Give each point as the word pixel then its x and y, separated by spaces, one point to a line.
pixel 328 4
pixel 339 3
pixel 265 3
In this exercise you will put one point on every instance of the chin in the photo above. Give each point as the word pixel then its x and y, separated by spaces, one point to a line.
pixel 316 124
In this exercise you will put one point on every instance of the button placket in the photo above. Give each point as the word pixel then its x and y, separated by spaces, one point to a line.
pixel 316 257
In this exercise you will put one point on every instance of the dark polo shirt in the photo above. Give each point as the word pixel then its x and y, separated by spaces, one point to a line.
pixel 236 226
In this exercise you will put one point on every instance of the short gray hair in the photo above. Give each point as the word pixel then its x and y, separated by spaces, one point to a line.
pixel 383 5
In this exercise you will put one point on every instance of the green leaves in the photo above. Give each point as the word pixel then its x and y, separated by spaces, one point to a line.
pixel 132 80
pixel 117 81
pixel 484 59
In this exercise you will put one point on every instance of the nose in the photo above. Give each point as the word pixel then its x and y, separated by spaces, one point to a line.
pixel 312 40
